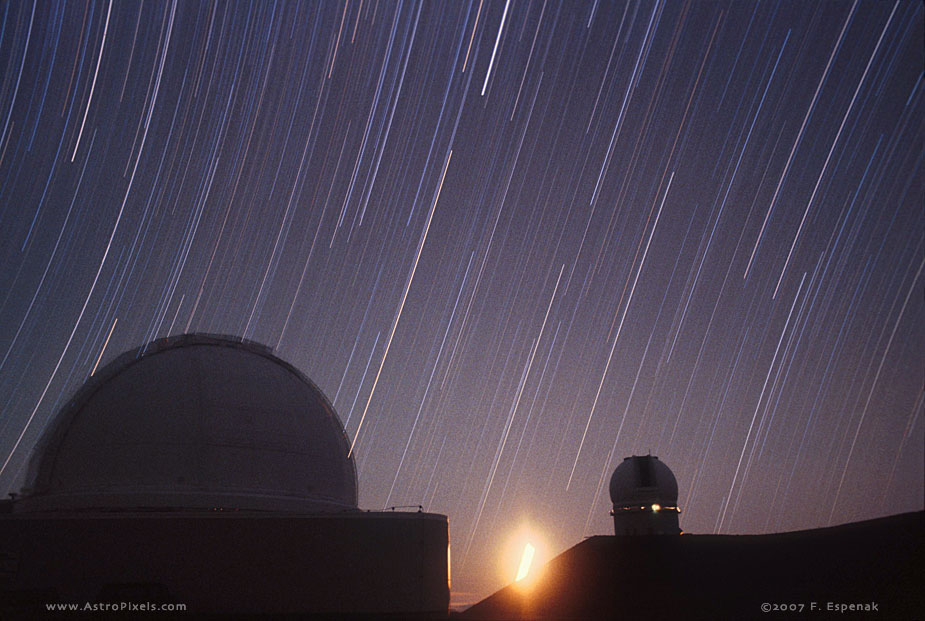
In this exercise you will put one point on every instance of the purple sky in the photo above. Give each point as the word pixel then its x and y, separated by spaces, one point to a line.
pixel 513 242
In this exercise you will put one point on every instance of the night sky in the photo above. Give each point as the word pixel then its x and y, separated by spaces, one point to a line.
pixel 513 242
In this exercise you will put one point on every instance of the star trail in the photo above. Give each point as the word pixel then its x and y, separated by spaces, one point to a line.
pixel 512 241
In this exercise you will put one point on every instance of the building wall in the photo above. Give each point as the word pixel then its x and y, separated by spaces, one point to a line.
pixel 645 522
pixel 357 563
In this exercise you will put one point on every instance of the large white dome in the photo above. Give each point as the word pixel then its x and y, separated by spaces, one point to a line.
pixel 194 422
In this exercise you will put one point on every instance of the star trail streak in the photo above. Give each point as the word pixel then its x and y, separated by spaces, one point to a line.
pixel 514 241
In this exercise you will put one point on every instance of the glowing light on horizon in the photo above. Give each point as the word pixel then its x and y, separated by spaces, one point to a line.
pixel 525 562
pixel 523 557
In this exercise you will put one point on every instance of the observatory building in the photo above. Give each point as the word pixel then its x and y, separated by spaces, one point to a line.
pixel 644 493
pixel 205 471
pixel 872 569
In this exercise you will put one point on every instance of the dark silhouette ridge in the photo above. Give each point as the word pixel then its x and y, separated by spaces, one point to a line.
pixel 876 562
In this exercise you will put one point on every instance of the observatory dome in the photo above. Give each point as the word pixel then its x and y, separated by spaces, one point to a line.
pixel 643 480
pixel 194 422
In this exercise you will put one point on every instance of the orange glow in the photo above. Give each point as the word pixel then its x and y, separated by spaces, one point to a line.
pixel 522 557
pixel 656 507
pixel 525 561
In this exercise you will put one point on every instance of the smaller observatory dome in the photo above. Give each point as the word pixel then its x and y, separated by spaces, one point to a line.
pixel 644 481
pixel 645 498
pixel 194 422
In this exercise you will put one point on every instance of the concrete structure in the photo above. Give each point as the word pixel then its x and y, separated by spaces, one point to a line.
pixel 644 493
pixel 205 471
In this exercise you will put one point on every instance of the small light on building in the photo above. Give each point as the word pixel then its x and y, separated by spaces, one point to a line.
pixel 656 507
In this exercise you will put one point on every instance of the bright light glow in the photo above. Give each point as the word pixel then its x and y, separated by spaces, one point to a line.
pixel 656 507
pixel 522 558
pixel 525 561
